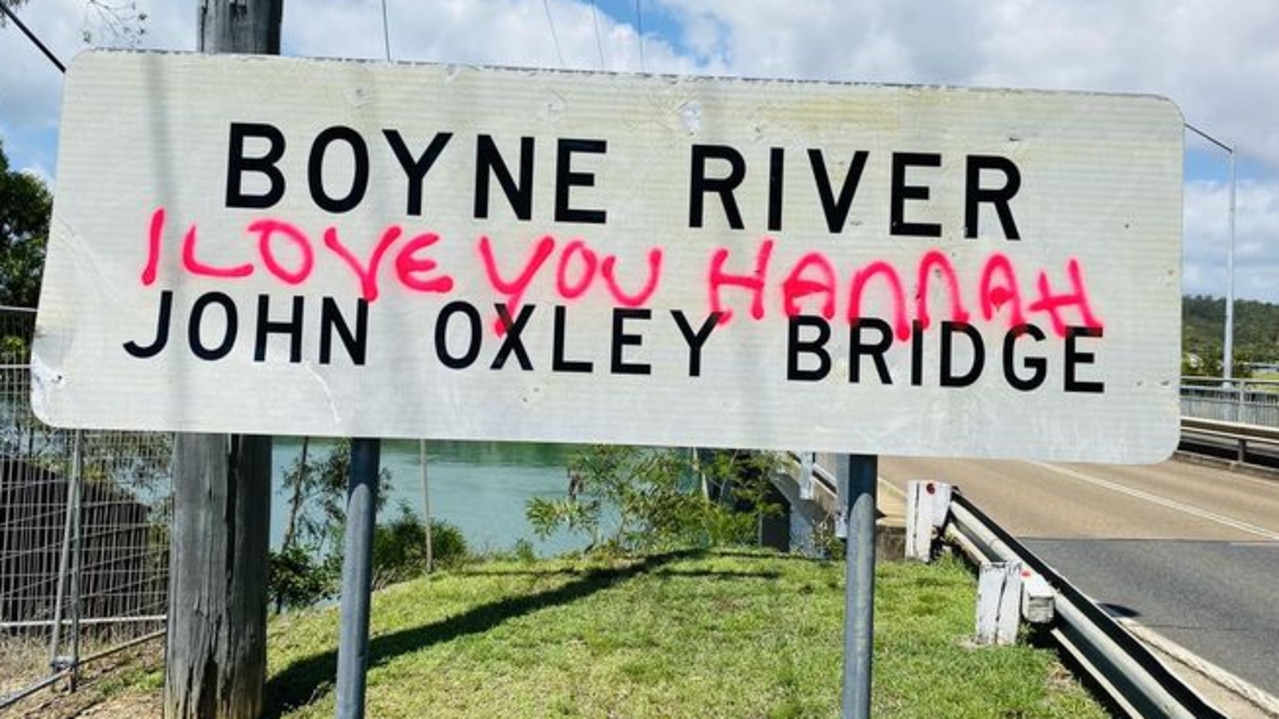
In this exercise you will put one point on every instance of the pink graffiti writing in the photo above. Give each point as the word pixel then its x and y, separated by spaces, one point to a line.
pixel 414 269
pixel 812 281
pixel 753 283
pixel 575 272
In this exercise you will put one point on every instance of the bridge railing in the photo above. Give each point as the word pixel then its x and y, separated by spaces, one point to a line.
pixel 1243 401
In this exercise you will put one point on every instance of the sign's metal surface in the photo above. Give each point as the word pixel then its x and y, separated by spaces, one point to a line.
pixel 334 248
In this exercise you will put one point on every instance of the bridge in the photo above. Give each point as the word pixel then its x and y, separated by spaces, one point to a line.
pixel 1182 551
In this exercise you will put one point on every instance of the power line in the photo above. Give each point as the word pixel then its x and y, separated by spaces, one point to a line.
pixel 639 23
pixel 32 37
pixel 551 21
pixel 599 45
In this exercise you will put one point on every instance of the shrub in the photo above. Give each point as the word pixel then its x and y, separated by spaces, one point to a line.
pixel 524 552
pixel 296 578
pixel 399 548
pixel 448 546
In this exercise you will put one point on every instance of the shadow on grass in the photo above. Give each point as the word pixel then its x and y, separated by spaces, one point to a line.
pixel 587 572
pixel 569 572
pixel 777 557
pixel 305 679
pixel 716 574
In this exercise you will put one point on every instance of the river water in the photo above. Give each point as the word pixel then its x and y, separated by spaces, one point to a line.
pixel 479 487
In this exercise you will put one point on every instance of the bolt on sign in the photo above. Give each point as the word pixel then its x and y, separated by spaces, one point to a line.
pixel 289 246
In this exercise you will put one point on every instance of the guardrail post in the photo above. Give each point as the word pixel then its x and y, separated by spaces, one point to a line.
pixel 998 602
pixel 927 506
pixel 806 475
pixel 1038 598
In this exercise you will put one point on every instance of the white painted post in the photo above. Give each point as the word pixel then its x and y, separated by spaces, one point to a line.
pixel 919 529
pixel 1038 598
pixel 998 602
pixel 806 475
pixel 927 506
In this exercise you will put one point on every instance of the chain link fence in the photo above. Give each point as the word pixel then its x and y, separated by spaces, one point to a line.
pixel 84 519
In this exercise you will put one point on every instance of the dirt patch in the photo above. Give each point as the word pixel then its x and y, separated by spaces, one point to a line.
pixel 122 685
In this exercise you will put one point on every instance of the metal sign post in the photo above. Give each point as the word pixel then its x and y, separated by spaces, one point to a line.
pixel 357 577
pixel 857 489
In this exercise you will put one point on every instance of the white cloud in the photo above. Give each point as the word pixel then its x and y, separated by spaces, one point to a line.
pixel 1256 239
pixel 492 32
pixel 31 83
pixel 1220 65
pixel 31 86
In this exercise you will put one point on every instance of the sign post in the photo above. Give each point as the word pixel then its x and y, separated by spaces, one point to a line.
pixel 357 576
pixel 215 652
pixel 858 485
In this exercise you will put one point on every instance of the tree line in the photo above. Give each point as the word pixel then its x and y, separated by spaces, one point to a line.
pixel 1256 336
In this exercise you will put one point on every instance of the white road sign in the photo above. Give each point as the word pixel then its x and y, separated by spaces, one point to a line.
pixel 267 245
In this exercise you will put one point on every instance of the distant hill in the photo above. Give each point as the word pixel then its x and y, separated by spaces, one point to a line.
pixel 1203 326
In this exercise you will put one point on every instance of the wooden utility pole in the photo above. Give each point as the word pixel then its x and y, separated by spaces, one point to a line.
pixel 241 26
pixel 215 664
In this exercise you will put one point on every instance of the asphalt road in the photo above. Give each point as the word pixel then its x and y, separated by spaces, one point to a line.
pixel 1189 551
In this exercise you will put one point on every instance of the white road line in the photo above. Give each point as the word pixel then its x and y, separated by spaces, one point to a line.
pixel 1162 501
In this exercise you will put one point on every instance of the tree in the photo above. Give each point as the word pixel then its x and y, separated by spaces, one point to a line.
pixel 122 23
pixel 638 499
pixel 25 205
pixel 316 487
pixel 307 568
pixel 10 4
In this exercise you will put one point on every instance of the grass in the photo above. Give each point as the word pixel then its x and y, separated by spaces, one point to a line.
pixel 22 662
pixel 682 635
pixel 1271 376
pixel 737 635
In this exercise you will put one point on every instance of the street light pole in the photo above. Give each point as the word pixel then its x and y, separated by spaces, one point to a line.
pixel 1228 352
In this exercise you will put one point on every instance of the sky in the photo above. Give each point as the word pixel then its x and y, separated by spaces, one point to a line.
pixel 1218 60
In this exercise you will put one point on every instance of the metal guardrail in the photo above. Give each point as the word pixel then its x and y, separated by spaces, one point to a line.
pixel 1120 664
pixel 1233 430
pixel 1237 432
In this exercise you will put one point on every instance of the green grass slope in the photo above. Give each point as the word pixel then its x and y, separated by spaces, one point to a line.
pixel 681 635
